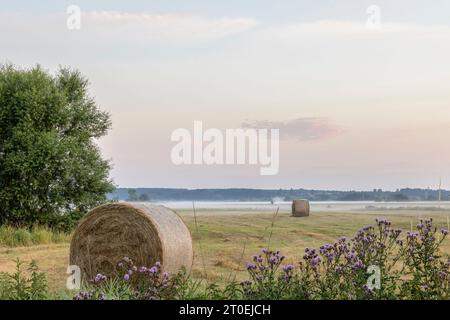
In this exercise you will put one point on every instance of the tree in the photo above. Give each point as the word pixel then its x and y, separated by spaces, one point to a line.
pixel 51 170
pixel 143 197
pixel 132 195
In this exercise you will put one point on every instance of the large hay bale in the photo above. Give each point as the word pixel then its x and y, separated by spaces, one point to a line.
pixel 300 208
pixel 143 233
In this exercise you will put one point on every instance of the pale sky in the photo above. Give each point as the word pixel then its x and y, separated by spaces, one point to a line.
pixel 357 107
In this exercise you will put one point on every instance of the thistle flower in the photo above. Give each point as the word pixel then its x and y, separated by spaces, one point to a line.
pixel 99 278
pixel 273 260
pixel 315 261
pixel 368 290
pixel 383 222
pixel 153 270
pixel 143 269
pixel 288 268
pixel 357 265
pixel 83 295
pixel 250 266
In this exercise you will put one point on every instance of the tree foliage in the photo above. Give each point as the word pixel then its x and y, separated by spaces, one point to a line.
pixel 51 170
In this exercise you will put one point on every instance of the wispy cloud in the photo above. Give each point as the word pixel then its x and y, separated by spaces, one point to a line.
pixel 347 28
pixel 303 129
pixel 107 26
pixel 167 27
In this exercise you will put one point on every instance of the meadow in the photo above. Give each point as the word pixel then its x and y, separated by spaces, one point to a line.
pixel 224 240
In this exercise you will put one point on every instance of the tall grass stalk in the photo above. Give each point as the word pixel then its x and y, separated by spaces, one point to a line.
pixel 271 227
pixel 199 242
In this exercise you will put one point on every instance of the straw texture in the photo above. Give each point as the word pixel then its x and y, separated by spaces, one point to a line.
pixel 300 208
pixel 144 233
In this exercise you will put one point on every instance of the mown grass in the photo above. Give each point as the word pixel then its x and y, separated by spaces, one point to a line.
pixel 18 237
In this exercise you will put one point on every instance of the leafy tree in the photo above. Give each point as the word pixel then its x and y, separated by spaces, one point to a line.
pixel 144 197
pixel 51 171
pixel 132 195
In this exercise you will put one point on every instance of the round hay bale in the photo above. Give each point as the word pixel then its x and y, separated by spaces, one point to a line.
pixel 144 233
pixel 300 208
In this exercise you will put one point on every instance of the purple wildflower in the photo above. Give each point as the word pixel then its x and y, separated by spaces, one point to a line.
pixel 251 266
pixel 288 268
pixel 153 270
pixel 99 278
pixel 315 262
pixel 143 269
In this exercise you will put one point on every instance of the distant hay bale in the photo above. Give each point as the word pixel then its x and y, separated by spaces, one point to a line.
pixel 300 208
pixel 144 233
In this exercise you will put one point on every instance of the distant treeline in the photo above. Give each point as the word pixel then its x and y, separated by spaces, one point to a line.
pixel 166 194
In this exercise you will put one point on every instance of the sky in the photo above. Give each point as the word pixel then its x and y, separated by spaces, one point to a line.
pixel 359 106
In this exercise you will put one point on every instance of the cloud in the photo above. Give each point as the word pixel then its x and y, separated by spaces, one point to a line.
pixel 349 28
pixel 124 27
pixel 303 129
pixel 167 28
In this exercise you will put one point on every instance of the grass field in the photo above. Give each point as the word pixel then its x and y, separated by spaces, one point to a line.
pixel 225 239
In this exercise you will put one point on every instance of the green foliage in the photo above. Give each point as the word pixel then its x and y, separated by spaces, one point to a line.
pixel 265 280
pixel 188 288
pixel 144 197
pixel 51 171
pixel 152 284
pixel 21 286
pixel 14 237
pixel 132 195
pixel 428 273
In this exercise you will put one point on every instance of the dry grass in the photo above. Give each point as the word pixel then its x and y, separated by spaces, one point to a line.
pixel 223 235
